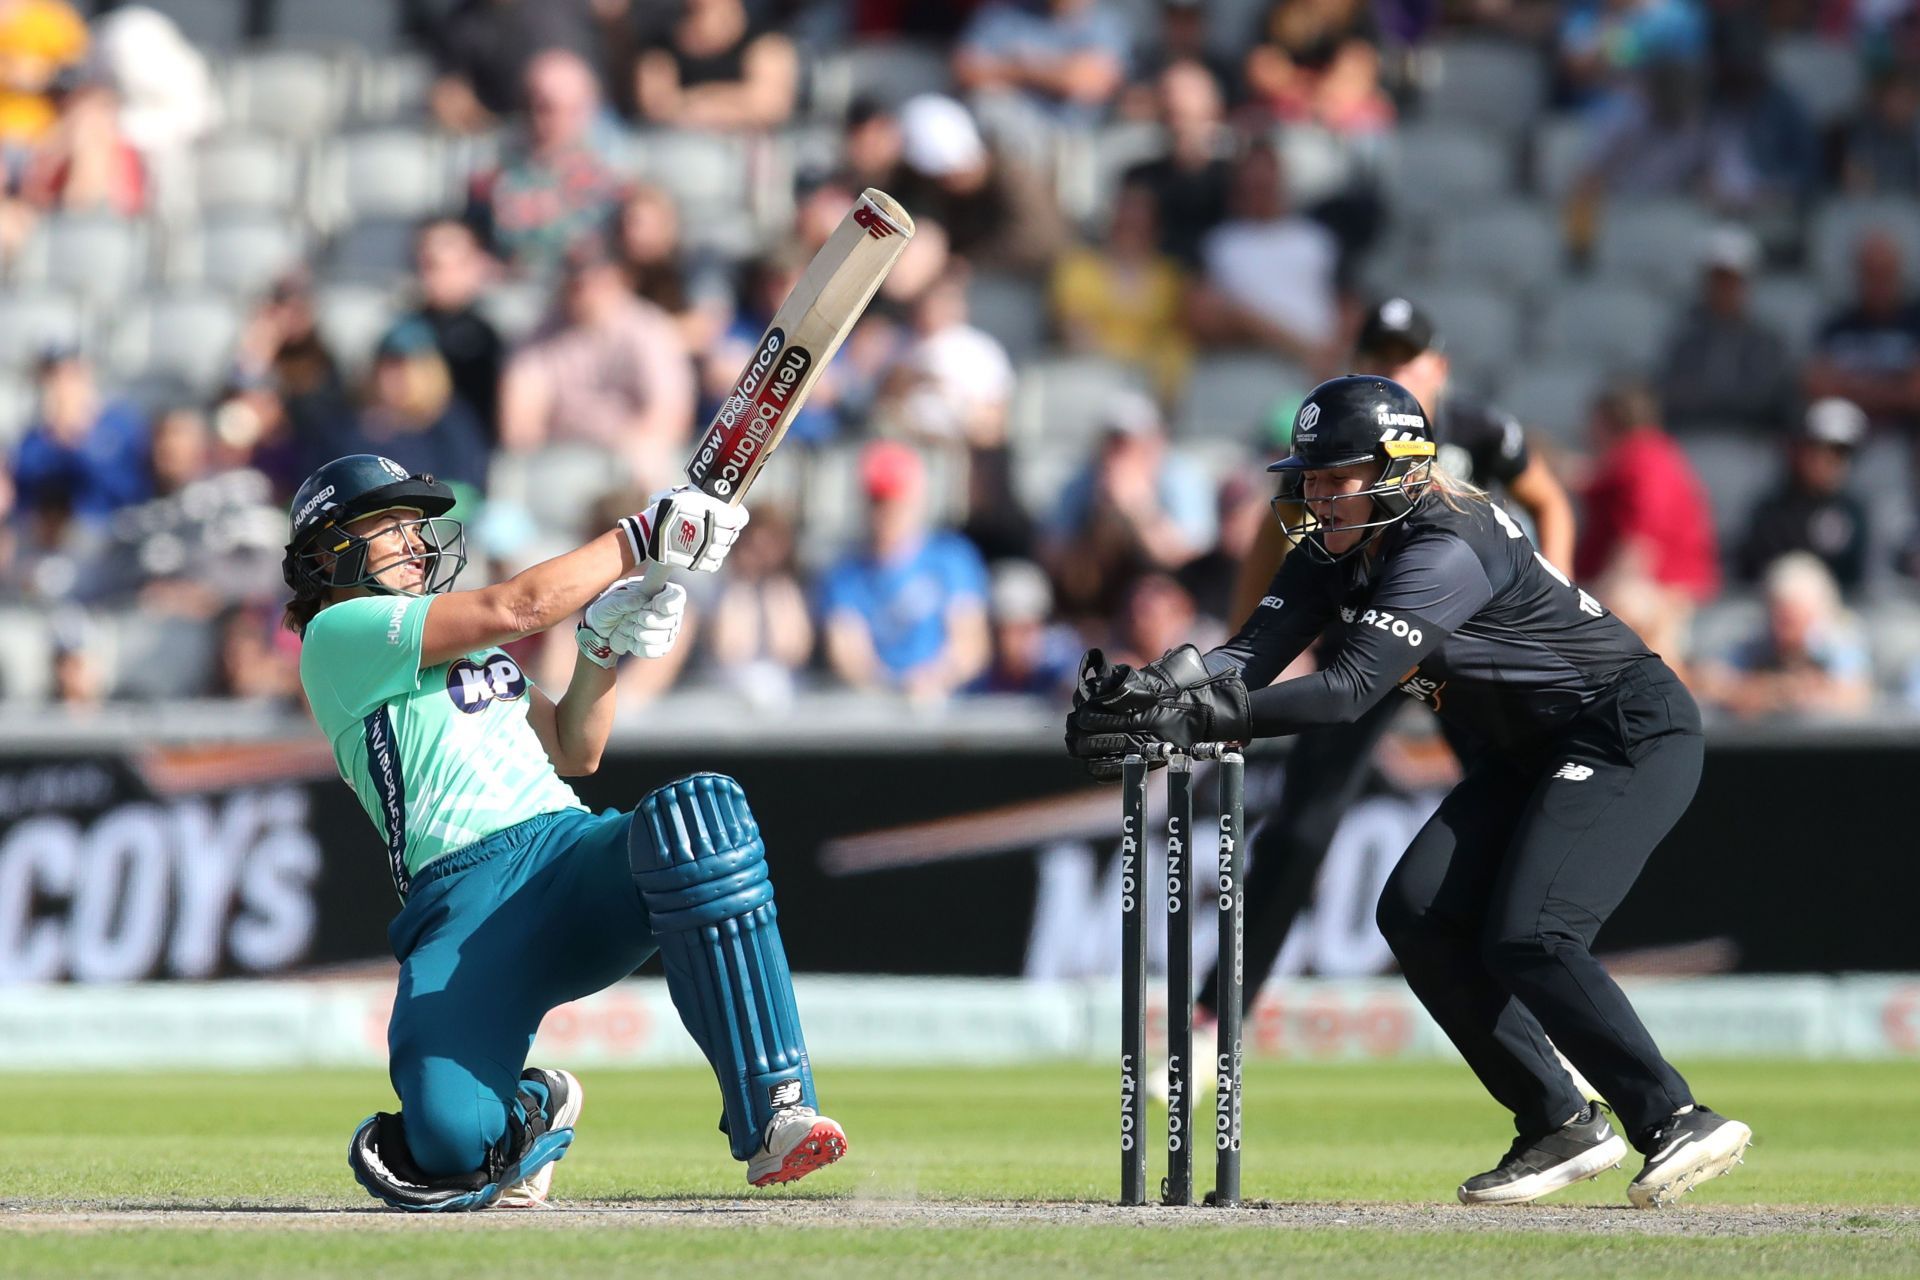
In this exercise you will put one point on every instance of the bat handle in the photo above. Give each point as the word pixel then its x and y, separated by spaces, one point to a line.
pixel 656 575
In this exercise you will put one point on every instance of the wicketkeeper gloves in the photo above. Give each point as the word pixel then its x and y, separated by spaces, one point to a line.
pixel 1119 711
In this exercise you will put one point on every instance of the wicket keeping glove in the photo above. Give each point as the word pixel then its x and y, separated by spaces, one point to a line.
pixel 631 617
pixel 1216 709
pixel 1115 687
pixel 684 528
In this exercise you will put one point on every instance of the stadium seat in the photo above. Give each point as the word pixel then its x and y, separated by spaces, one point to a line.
pixel 26 655
pixel 1063 399
pixel 1012 308
pixel 239 252
pixel 1736 474
pixel 155 655
pixel 1721 626
pixel 253 171
pixel 1552 397
pixel 33 319
pixel 1653 244
pixel 373 252
pixel 1893 637
pixel 1514 246
pixel 1559 151
pixel 394 87
pixel 1618 327
pixel 1792 304
pixel 368 25
pixel 1232 397
pixel 1233 25
pixel 1825 75
pixel 890 71
pixel 214 25
pixel 703 171
pixel 1089 166
pixel 352 318
pixel 1042 471
pixel 1447 168
pixel 1479 328
pixel 17 398
pixel 295 93
pixel 1837 228
pixel 1490 84
pixel 557 485
pixel 99 257
pixel 384 173
pixel 187 335
pixel 516 307
pixel 1318 163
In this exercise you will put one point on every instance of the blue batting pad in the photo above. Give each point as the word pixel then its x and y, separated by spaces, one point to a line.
pixel 698 859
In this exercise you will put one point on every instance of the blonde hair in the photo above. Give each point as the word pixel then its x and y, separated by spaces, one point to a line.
pixel 1451 489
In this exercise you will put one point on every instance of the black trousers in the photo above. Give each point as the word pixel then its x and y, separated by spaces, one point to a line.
pixel 1493 910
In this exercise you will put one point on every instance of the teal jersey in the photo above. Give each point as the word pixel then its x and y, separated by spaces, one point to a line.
pixel 440 757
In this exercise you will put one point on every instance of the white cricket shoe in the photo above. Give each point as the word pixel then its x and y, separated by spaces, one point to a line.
pixel 564 1100
pixel 1695 1144
pixel 798 1141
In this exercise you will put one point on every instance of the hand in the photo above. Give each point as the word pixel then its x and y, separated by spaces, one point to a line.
pixel 631 617
pixel 1217 709
pixel 1117 687
pixel 683 528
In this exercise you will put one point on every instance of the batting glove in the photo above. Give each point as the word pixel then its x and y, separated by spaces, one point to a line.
pixel 684 528
pixel 631 617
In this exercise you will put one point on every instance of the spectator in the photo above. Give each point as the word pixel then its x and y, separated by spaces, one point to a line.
pixel 995 212
pixel 1031 654
pixel 81 449
pixel 1126 300
pixel 80 677
pixel 483 50
pixel 607 369
pixel 1155 615
pixel 871 145
pixel 1602 42
pixel 1813 510
pixel 952 383
pixel 1137 506
pixel 555 190
pixel 715 68
pixel 1810 661
pixel 1869 352
pixel 1880 149
pixel 167 97
pixel 1723 367
pixel 84 163
pixel 1192 182
pixel 908 610
pixel 769 279
pixel 281 342
pixel 1647 514
pixel 692 288
pixel 251 428
pixel 1044 62
pixel 760 636
pixel 258 660
pixel 1209 578
pixel 1319 63
pixel 39 40
pixel 1181 36
pixel 412 416
pixel 1766 153
pixel 451 272
pixel 1270 273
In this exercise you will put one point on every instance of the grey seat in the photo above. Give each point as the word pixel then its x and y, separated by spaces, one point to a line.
pixel 1792 304
pixel 558 484
pixel 254 171
pixel 394 87
pixel 1091 164
pixel 1063 399
pixel 1893 638
pixel 1552 396
pixel 1447 168
pixel 890 71
pixel 1653 244
pixel 17 402
pixel 1479 328
pixel 158 656
pixel 295 93
pixel 1721 626
pixel 1825 75
pixel 26 655
pixel 1043 470
pixel 1491 84
pixel 1011 308
pixel 1232 397
pixel 1559 151
pixel 241 252
pixel 370 25
pixel 1619 327
pixel 352 318
pixel 1515 246
pixel 516 307
pixel 1736 473
pixel 186 335
pixel 372 251
pixel 99 257
pixel 701 170
pixel 1837 228
pixel 34 319
pixel 384 173
pixel 211 25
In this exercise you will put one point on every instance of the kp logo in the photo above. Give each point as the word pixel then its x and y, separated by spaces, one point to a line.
pixel 472 686
pixel 874 221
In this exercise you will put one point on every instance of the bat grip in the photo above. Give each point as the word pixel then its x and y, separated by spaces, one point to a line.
pixel 656 575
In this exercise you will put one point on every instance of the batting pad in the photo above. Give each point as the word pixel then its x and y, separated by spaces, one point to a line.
pixel 701 868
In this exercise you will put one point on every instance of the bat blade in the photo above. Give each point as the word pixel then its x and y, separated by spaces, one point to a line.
pixel 809 327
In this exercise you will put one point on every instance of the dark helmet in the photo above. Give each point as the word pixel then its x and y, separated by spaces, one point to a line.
pixel 322 554
pixel 1355 419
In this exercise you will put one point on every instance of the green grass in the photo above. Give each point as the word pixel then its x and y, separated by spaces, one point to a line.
pixel 1828 1134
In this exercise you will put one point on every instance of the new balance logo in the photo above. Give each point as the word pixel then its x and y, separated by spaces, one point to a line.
pixel 874 221
pixel 1575 772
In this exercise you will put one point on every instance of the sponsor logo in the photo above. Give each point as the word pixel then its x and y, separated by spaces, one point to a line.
pixel 1423 688
pixel 394 469
pixel 314 501
pixel 1387 418
pixel 1309 418
pixel 751 416
pixel 1575 772
pixel 1348 613
pixel 686 535
pixel 1176 1095
pixel 384 769
pixel 1381 620
pixel 784 1094
pixel 876 223
pixel 473 686
pixel 396 620
pixel 1129 1101
pixel 1271 602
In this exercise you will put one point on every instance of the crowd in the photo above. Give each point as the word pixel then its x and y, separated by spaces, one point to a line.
pixel 934 528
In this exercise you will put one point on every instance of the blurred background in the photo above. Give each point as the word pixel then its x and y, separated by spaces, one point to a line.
pixel 525 245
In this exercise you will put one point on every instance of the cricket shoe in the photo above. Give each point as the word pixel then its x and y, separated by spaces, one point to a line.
pixel 1584 1147
pixel 798 1141
pixel 1695 1144
pixel 564 1100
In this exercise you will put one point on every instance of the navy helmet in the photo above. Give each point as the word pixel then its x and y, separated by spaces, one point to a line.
pixel 321 553
pixel 1347 421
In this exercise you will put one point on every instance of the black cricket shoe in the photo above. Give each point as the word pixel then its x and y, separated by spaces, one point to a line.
pixel 1584 1147
pixel 1694 1144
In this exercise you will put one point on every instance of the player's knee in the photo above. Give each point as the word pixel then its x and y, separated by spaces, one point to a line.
pixel 1403 918
pixel 1514 952
pixel 696 854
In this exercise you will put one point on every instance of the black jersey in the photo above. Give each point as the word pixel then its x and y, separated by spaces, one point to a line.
pixel 1479 443
pixel 1456 609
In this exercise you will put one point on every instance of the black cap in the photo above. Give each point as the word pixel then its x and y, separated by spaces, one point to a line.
pixel 1393 326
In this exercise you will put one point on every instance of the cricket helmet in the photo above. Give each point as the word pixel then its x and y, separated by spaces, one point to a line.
pixel 1347 421
pixel 321 553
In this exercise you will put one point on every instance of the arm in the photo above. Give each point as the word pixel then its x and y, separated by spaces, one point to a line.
pixel 526 398
pixel 850 651
pixel 1540 495
pixel 761 99
pixel 574 730
pixel 536 598
pixel 963 657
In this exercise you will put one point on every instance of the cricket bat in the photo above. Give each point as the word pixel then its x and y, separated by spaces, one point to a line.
pixel 809 327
